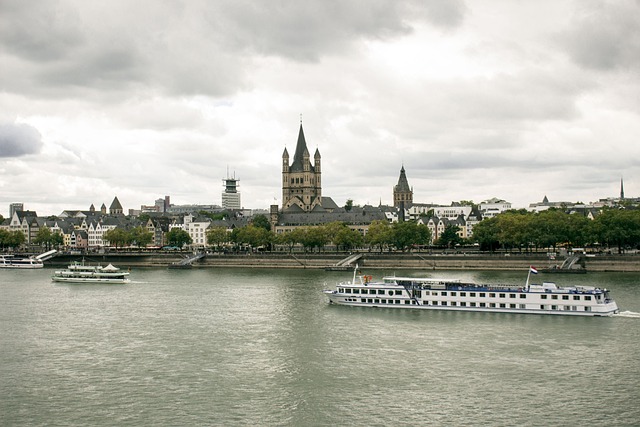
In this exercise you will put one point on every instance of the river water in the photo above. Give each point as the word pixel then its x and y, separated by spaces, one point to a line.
pixel 263 347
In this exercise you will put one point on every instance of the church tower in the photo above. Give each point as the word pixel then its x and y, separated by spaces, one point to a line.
pixel 402 193
pixel 301 183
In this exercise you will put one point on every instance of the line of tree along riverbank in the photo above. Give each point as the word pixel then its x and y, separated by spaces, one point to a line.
pixel 412 260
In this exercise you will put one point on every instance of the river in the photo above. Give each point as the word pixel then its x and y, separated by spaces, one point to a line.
pixel 263 347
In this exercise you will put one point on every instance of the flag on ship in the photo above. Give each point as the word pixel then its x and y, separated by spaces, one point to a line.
pixel 533 270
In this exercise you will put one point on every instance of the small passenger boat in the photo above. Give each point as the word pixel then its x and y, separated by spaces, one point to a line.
pixel 454 295
pixel 11 261
pixel 79 272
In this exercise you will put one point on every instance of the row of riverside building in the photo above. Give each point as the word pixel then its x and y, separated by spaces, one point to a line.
pixel 303 204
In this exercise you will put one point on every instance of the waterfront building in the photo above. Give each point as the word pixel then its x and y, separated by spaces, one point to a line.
pixel 301 180
pixel 452 212
pixel 14 207
pixel 79 240
pixel 116 207
pixel 231 196
pixel 358 218
pixel 402 193
pixel 417 210
pixel 26 222
pixel 189 209
pixel 492 207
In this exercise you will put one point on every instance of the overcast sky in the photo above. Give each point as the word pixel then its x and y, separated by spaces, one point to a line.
pixel 477 99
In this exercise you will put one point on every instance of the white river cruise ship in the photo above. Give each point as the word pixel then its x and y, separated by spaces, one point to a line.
pixel 448 294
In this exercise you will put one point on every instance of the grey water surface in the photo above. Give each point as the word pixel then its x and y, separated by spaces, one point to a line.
pixel 263 347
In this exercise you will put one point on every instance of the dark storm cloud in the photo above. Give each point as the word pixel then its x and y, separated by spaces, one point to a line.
pixel 606 36
pixel 70 49
pixel 18 140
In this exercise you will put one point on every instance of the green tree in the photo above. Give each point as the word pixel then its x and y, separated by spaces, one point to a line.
pixel 261 221
pixel 178 237
pixel 378 234
pixel 44 237
pixel 514 229
pixel 449 237
pixel 348 205
pixel 315 237
pixel 332 229
pixel 57 239
pixel 619 228
pixel 140 236
pixel 117 237
pixel 408 233
pixel 288 239
pixel 485 233
pixel 12 239
pixel 348 239
pixel 217 235
pixel 253 236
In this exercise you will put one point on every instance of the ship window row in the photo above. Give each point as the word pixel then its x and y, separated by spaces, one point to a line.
pixel 380 301
pixel 566 297
pixel 475 294
pixel 563 307
pixel 391 292
pixel 503 305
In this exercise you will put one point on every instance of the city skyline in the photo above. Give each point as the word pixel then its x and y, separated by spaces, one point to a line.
pixel 475 99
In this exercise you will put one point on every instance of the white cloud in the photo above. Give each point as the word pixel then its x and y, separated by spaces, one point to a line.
pixel 476 99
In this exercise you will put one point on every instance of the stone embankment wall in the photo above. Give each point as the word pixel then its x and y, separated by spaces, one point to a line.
pixel 416 261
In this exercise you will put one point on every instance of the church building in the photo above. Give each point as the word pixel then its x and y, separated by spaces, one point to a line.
pixel 402 193
pixel 301 180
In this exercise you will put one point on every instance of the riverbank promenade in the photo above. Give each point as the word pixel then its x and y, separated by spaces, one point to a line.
pixel 369 260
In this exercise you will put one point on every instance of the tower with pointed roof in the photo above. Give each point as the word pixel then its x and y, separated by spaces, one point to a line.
pixel 402 193
pixel 116 207
pixel 301 180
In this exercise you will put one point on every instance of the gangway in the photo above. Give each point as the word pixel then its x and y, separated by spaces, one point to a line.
pixel 46 255
pixel 570 262
pixel 186 263
pixel 345 264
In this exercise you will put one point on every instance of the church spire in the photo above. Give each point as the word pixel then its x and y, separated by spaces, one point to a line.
pixel 402 193
pixel 301 152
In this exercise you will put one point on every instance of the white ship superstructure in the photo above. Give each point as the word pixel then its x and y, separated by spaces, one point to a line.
pixel 448 294
pixel 78 272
